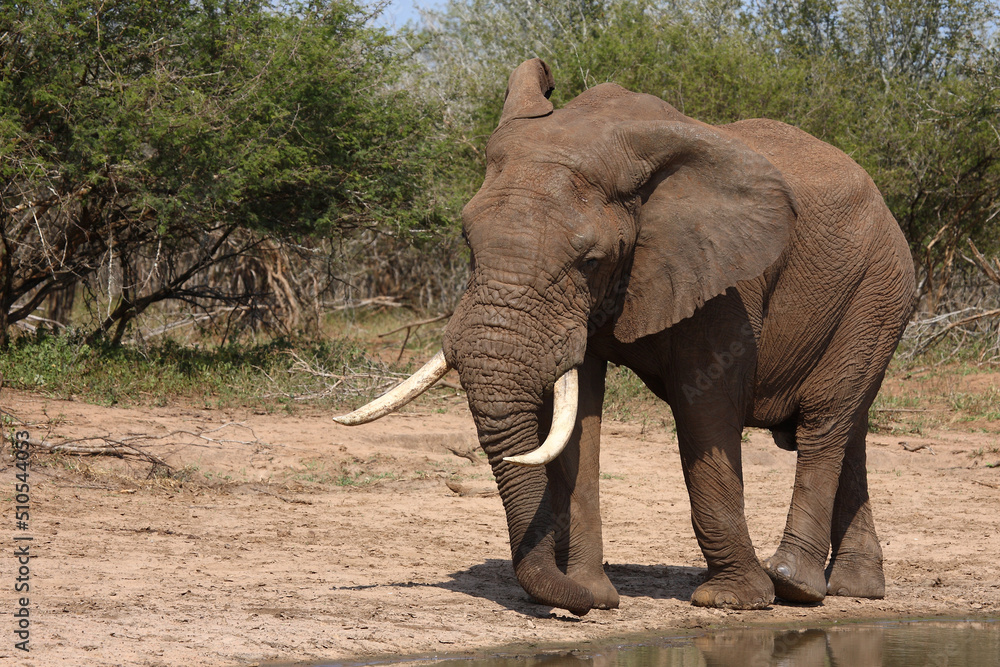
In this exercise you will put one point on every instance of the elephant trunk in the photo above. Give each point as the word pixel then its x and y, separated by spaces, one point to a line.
pixel 510 346
pixel 530 520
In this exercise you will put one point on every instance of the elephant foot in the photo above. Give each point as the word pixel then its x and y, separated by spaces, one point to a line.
pixel 796 578
pixel 575 606
pixel 856 577
pixel 605 594
pixel 548 586
pixel 750 589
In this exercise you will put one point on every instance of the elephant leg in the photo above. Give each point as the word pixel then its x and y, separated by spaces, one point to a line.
pixel 713 359
pixel 830 498
pixel 797 567
pixel 830 507
pixel 574 485
pixel 830 504
pixel 711 459
pixel 855 568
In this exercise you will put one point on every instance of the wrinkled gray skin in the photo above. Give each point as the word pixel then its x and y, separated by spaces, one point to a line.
pixel 750 274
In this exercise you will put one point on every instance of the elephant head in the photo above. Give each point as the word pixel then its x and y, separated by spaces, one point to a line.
pixel 615 216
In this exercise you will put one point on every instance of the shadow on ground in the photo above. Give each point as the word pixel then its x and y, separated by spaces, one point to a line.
pixel 494 580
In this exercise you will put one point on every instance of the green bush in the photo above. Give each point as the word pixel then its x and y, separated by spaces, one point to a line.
pixel 907 88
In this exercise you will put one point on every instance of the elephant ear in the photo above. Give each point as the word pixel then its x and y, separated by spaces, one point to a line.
pixel 528 91
pixel 714 212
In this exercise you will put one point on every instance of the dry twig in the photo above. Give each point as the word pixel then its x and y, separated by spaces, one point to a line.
pixel 409 329
pixel 916 448
pixel 110 447
pixel 352 382
pixel 374 302
pixel 129 446
pixel 991 270
pixel 940 333
pixel 468 454
pixel 972 311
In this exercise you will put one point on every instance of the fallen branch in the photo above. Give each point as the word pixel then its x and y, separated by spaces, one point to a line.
pixel 413 325
pixel 409 329
pixel 468 454
pixel 983 316
pixel 375 302
pixel 42 320
pixel 190 321
pixel 349 383
pixel 111 447
pixel 482 491
pixel 125 447
pixel 357 383
pixel 201 435
pixel 923 347
pixel 292 501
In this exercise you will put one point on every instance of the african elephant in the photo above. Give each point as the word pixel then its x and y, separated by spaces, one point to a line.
pixel 749 274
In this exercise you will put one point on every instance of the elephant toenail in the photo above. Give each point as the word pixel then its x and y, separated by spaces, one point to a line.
pixel 784 570
pixel 723 599
pixel 842 592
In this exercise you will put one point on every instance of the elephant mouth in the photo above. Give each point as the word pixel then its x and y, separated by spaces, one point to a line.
pixel 565 399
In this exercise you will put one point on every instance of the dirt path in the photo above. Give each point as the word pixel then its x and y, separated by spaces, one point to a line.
pixel 332 543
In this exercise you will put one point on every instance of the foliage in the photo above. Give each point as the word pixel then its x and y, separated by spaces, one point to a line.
pixel 263 374
pixel 626 398
pixel 908 88
pixel 255 161
pixel 142 143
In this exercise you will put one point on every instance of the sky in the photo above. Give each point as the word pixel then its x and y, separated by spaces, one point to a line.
pixel 400 11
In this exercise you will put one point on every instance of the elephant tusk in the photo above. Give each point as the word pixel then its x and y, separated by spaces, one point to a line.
pixel 399 395
pixel 565 398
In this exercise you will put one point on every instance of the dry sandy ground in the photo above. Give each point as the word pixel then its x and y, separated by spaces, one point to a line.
pixel 288 561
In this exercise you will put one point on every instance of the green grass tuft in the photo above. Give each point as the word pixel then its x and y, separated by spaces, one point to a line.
pixel 268 374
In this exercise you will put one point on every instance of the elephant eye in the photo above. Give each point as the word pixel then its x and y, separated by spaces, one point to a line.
pixel 590 265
